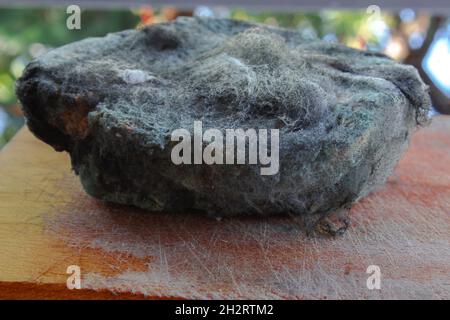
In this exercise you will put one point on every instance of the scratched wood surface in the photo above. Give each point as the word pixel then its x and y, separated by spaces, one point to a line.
pixel 47 223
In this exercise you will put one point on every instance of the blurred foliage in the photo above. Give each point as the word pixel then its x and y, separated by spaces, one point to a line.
pixel 344 25
pixel 8 133
pixel 27 32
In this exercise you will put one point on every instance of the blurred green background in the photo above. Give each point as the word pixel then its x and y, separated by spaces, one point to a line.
pixel 26 33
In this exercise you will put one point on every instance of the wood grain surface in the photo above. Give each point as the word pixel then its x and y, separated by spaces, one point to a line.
pixel 48 223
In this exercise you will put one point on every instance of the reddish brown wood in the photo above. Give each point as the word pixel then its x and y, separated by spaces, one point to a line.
pixel 47 223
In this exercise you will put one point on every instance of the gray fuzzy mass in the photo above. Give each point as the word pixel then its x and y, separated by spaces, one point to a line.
pixel 344 116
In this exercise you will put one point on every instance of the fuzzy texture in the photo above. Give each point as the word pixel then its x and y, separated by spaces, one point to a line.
pixel 345 116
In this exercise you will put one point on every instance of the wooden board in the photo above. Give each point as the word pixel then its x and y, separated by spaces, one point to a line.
pixel 48 223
